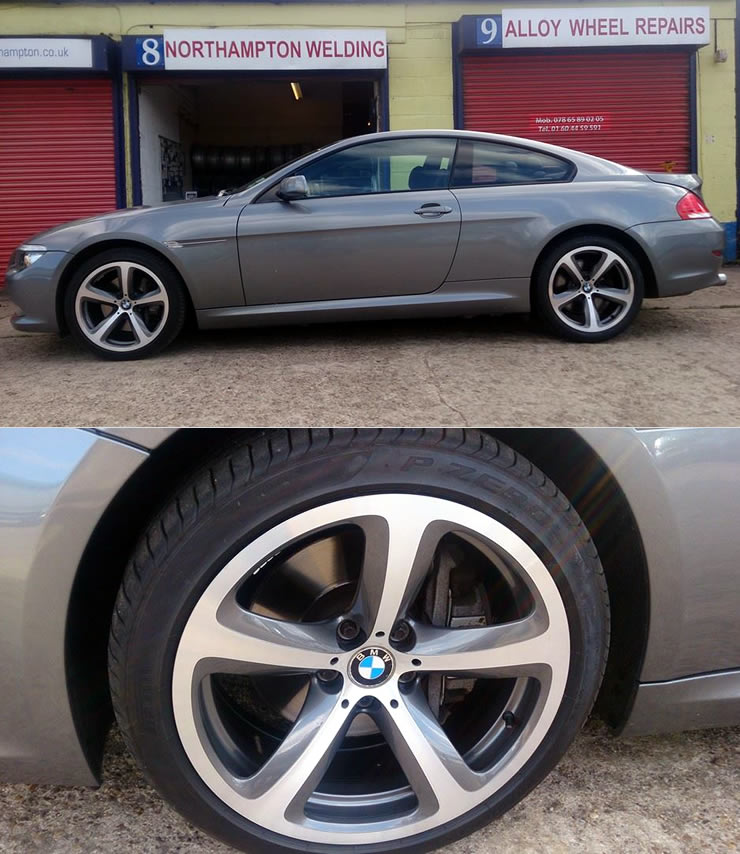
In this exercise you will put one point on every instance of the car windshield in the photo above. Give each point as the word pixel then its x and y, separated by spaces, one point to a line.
pixel 260 179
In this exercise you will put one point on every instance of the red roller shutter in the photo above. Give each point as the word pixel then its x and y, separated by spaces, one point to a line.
pixel 57 155
pixel 642 99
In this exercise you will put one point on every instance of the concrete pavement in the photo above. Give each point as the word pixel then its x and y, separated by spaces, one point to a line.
pixel 673 794
pixel 678 365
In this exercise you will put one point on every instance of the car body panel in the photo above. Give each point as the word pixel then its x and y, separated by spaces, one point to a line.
pixel 346 247
pixel 676 253
pixel 489 296
pixel 198 238
pixel 504 229
pixel 695 702
pixel 54 486
pixel 323 250
pixel 35 289
pixel 683 487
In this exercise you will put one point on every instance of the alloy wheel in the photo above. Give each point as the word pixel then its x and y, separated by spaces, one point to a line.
pixel 591 289
pixel 122 306
pixel 447 681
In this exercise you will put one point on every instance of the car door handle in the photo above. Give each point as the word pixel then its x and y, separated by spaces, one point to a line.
pixel 432 209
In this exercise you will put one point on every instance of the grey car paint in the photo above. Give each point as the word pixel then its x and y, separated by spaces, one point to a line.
pixel 302 251
pixel 54 486
pixel 369 272
pixel 683 487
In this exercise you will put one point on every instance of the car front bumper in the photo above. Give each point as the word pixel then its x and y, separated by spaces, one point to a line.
pixel 34 292
pixel 686 254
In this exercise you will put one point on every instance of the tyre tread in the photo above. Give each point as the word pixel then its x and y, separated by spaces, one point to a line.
pixel 246 462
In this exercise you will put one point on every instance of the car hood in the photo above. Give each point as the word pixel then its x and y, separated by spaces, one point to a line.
pixel 66 234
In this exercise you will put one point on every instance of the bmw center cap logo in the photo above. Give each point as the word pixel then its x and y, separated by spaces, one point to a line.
pixel 371 666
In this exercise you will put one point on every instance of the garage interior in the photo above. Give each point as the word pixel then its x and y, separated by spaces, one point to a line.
pixel 203 135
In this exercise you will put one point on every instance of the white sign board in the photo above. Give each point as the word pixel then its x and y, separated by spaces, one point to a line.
pixel 45 53
pixel 591 27
pixel 259 50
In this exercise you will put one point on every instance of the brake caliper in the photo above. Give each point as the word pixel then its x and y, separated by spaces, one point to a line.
pixel 455 597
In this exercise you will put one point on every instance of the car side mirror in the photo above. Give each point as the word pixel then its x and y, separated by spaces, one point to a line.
pixel 292 188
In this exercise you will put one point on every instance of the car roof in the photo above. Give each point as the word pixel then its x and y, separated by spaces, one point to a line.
pixel 589 162
pixel 587 165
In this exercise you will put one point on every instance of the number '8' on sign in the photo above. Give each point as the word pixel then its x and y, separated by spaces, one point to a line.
pixel 150 52
pixel 488 31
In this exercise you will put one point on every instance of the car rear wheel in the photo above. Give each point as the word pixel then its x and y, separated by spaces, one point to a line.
pixel 125 304
pixel 588 288
pixel 375 639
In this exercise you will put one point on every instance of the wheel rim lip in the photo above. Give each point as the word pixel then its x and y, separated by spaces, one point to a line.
pixel 81 300
pixel 254 555
pixel 629 292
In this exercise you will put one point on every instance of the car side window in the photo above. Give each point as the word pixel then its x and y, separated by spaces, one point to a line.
pixel 486 164
pixel 382 166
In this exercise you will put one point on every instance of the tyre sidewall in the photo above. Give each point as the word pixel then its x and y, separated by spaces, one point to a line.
pixel 289 488
pixel 547 313
pixel 172 285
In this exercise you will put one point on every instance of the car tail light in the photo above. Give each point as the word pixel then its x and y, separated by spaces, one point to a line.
pixel 692 207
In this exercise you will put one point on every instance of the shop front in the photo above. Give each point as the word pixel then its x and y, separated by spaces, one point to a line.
pixel 618 82
pixel 615 82
pixel 212 109
pixel 214 94
pixel 59 134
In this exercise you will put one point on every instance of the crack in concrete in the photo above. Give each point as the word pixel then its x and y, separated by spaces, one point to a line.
pixel 442 399
pixel 687 307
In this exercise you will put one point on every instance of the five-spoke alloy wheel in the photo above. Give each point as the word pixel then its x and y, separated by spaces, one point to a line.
pixel 125 304
pixel 379 669
pixel 588 289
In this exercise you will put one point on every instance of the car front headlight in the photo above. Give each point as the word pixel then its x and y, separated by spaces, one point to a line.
pixel 26 255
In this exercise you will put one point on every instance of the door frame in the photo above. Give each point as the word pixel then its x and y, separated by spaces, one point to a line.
pixel 135 79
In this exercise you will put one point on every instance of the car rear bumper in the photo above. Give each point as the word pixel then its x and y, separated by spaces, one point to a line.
pixel 34 292
pixel 686 254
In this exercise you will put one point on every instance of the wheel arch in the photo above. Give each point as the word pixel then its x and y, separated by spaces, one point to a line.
pixel 101 568
pixel 582 476
pixel 96 248
pixel 562 454
pixel 618 234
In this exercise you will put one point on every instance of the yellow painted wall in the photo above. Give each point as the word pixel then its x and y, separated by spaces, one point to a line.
pixel 717 124
pixel 420 56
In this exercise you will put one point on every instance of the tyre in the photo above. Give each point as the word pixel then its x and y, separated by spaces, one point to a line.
pixel 125 304
pixel 359 641
pixel 588 288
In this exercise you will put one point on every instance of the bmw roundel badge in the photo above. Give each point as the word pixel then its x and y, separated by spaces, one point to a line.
pixel 371 666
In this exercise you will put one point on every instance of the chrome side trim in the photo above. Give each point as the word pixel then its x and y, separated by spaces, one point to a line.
pixel 200 241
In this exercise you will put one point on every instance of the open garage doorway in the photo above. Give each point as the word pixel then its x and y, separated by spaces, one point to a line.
pixel 201 135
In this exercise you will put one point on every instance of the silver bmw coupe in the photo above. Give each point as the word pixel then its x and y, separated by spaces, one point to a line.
pixel 401 224
pixel 359 640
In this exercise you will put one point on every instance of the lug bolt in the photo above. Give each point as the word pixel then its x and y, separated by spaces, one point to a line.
pixel 401 632
pixel 348 630
pixel 365 702
pixel 327 675
pixel 405 678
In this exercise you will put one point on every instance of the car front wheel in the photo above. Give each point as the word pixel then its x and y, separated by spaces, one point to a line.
pixel 369 641
pixel 125 304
